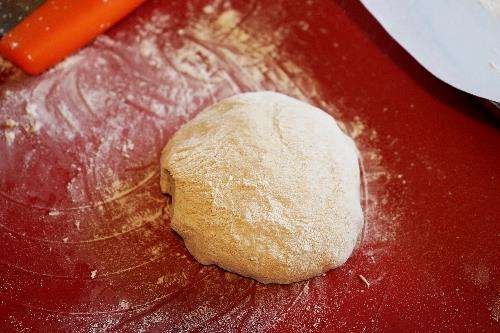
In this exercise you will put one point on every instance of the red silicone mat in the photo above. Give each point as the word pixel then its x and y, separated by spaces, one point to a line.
pixel 85 245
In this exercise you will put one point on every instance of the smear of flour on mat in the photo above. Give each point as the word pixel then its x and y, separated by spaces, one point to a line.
pixel 9 129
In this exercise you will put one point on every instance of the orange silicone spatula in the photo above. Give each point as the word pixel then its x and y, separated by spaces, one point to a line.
pixel 59 27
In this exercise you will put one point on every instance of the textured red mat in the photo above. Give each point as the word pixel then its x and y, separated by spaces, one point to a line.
pixel 83 241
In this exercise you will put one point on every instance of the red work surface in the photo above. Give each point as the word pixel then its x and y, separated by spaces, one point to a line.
pixel 84 243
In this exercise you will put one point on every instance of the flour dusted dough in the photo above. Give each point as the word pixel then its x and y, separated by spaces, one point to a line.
pixel 265 186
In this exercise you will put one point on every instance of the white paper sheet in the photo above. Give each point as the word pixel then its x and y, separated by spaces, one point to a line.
pixel 456 40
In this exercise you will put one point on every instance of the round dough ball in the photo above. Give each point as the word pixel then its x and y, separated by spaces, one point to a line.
pixel 265 186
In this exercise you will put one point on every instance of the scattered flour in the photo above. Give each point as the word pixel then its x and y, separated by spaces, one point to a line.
pixel 495 310
pixel 10 136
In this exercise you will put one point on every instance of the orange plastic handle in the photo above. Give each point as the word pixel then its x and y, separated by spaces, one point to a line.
pixel 59 27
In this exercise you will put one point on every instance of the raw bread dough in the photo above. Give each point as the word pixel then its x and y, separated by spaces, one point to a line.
pixel 265 186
